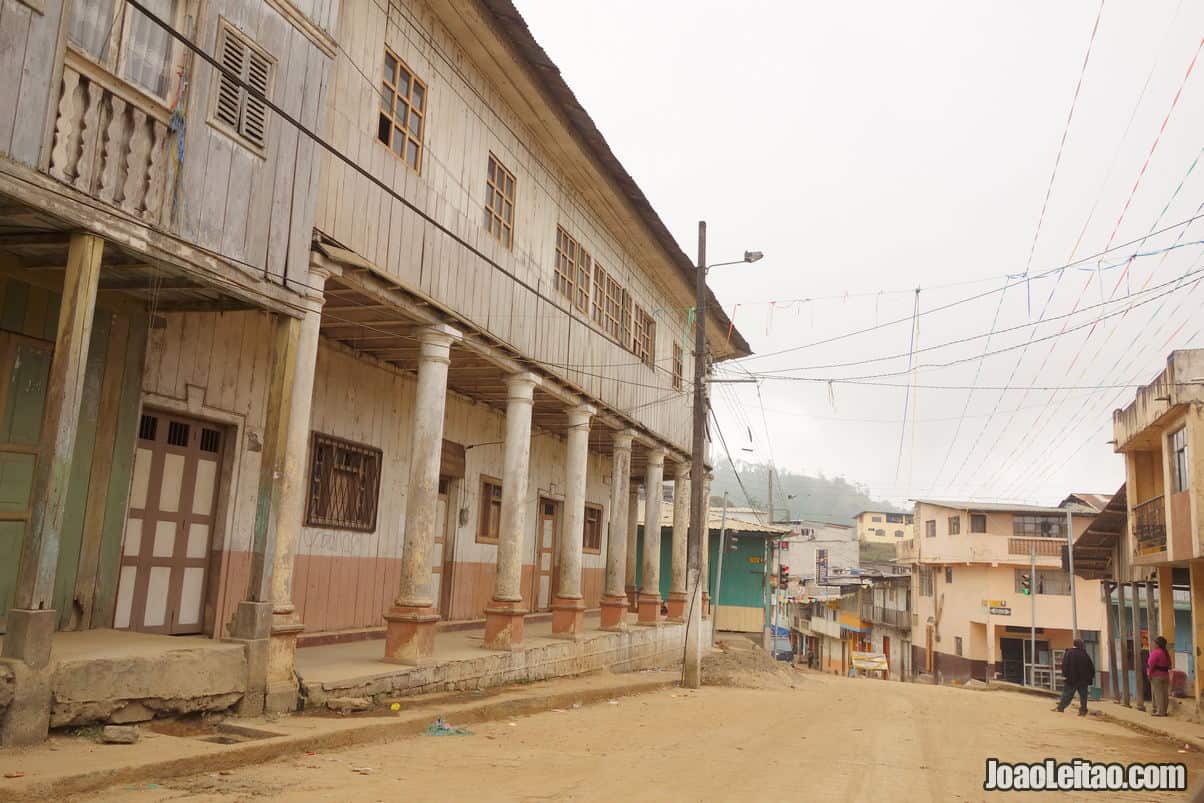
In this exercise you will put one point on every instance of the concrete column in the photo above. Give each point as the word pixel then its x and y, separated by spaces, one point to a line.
pixel 1138 670
pixel 706 547
pixel 1122 617
pixel 267 621
pixel 614 599
pixel 568 607
pixel 504 616
pixel 650 587
pixel 633 552
pixel 31 618
pixel 410 630
pixel 1114 678
pixel 1166 608
pixel 677 552
pixel 1196 573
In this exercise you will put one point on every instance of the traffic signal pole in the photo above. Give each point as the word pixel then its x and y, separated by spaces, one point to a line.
pixel 1074 600
pixel 1032 596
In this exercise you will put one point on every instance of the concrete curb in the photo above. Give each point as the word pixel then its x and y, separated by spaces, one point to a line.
pixel 374 729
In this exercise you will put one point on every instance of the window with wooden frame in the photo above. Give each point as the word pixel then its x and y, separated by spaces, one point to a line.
pixel 591 539
pixel 955 525
pixel 677 366
pixel 489 522
pixel 566 263
pixel 625 320
pixel 930 528
pixel 402 118
pixel 598 311
pixel 241 113
pixel 499 202
pixel 584 267
pixel 126 42
pixel 1178 444
pixel 344 484
pixel 978 522
pixel 614 307
pixel 643 344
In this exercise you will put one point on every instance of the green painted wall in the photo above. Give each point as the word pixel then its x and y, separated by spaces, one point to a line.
pixel 742 580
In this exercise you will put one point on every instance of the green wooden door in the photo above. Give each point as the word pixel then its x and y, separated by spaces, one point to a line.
pixel 25 370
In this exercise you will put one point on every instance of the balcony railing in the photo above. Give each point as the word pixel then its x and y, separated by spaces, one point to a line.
pixel 1149 526
pixel 1044 546
pixel 111 144
pixel 889 617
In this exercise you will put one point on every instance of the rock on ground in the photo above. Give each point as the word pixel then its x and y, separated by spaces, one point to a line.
pixel 119 734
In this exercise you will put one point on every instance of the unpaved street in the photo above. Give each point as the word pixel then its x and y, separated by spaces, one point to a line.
pixel 829 739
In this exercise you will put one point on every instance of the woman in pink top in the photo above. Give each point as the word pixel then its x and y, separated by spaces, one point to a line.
pixel 1159 670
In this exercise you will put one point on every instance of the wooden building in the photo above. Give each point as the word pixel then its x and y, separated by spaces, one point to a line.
pixel 321 320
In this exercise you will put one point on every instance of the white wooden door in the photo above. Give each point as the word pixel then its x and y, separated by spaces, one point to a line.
pixel 165 551
pixel 545 552
pixel 437 547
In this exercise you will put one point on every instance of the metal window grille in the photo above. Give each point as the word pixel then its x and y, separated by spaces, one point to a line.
pixel 344 484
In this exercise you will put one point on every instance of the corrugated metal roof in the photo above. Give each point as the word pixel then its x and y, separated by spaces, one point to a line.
pixel 716 519
pixel 545 72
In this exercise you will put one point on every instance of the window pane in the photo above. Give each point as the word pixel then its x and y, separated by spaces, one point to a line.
pixel 147 47
pixel 415 123
pixel 390 67
pixel 401 109
pixel 91 25
pixel 399 141
pixel 419 96
pixel 382 130
pixel 412 154
pixel 403 82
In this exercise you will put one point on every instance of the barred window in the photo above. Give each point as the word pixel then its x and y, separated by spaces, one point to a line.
pixel 924 578
pixel 490 522
pixel 499 202
pixel 344 484
pixel 955 525
pixel 978 522
pixel 592 536
pixel 677 366
pixel 1039 526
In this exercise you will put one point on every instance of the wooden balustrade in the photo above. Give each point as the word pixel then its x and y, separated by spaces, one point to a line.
pixel 115 148
pixel 1045 546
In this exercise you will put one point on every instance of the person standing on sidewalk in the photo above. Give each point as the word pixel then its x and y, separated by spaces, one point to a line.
pixel 1159 670
pixel 1078 671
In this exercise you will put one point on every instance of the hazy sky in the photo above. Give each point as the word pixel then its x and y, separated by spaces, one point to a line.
pixel 875 147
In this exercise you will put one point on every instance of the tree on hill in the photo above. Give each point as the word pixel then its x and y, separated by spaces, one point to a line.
pixel 796 496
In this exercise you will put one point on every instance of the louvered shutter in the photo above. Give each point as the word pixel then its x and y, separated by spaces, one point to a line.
pixel 255 111
pixel 229 94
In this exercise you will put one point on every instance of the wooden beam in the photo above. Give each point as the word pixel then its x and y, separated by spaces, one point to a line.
pixel 39 554
pixel 39 238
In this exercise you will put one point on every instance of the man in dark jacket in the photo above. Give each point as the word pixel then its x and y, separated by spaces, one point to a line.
pixel 1078 672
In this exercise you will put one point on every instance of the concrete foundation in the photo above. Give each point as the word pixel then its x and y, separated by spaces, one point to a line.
pixel 355 670
pixel 410 635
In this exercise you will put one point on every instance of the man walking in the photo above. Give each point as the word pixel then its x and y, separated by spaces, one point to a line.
pixel 1159 670
pixel 1078 672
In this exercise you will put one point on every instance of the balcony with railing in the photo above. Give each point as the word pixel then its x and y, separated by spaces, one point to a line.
pixel 881 615
pixel 1149 526
pixel 111 142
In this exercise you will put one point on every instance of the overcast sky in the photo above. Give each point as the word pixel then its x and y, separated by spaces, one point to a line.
pixel 871 148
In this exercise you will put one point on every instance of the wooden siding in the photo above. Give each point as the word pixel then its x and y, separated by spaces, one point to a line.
pixel 466 120
pixel 255 210
pixel 345 579
pixel 216 366
pixel 28 47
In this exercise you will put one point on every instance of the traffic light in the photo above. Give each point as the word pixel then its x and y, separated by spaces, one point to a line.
pixel 783 576
pixel 1026 584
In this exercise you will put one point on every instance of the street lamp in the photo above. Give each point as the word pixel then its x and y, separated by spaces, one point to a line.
pixel 692 665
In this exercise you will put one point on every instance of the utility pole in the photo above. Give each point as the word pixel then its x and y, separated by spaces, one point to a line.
pixel 1074 602
pixel 692 663
pixel 1032 596
pixel 719 569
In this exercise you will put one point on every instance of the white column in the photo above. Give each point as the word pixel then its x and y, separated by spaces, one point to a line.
pixel 410 635
pixel 614 601
pixel 681 529
pixel 504 616
pixel 568 607
pixel 650 586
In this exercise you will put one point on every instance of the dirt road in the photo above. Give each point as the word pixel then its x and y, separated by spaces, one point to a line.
pixel 828 739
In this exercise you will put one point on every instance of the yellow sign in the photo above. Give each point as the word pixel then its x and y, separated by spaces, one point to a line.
pixel 755 559
pixel 870 661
